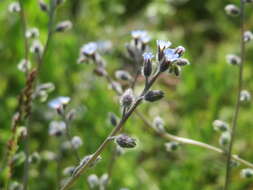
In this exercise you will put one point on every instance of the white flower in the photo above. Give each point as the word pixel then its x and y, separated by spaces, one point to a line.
pixel 64 26
pixel 58 102
pixel 161 44
pixel 89 48
pixel 233 59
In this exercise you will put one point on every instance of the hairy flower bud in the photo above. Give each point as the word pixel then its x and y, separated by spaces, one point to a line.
pixel 125 141
pixel 123 75
pixel 93 181
pixel 43 6
pixel 247 36
pixel 32 33
pixel 104 179
pixel 127 98
pixel 154 95
pixel 116 86
pixel 34 158
pixel 113 119
pixel 225 139
pixel 24 65
pixel 147 68
pixel 76 142
pixel 246 173
pixel 221 126
pixel 100 71
pixel 159 124
pixel 182 62
pixel 36 47
pixel 57 128
pixel 245 96
pixel 63 26
pixel 68 171
pixel 171 146
pixel 233 59
pixel 180 50
pixel 232 10
pixel 14 7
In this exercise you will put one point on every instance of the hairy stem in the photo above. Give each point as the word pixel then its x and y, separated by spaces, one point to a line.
pixel 114 132
pixel 237 106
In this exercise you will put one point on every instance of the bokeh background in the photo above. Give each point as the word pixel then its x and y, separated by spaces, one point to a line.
pixel 205 91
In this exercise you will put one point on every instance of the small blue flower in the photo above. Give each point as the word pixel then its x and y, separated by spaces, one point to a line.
pixel 89 48
pixel 147 56
pixel 145 38
pixel 58 102
pixel 161 44
pixel 136 34
pixel 170 55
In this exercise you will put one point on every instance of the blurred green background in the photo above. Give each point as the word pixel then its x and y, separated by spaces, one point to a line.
pixel 204 92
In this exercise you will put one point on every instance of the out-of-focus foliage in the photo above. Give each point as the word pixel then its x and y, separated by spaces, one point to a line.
pixel 205 91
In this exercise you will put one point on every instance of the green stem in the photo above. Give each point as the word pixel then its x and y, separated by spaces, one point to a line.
pixel 237 106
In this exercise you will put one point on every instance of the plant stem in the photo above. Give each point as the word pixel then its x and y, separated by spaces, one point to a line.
pixel 69 137
pixel 182 140
pixel 237 106
pixel 115 131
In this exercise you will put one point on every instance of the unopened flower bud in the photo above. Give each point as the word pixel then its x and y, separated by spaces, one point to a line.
pixel 36 47
pixel 59 2
pixel 177 70
pixel 127 98
pixel 93 181
pixel 76 142
pixel 232 10
pixel 68 171
pixel 32 33
pixel 104 179
pixel 245 96
pixel 14 7
pixel 171 146
pixel 246 173
pixel 43 6
pixel 233 59
pixel 57 128
pixel 116 86
pixel 71 114
pixel 34 158
pixel 100 71
pixel 159 124
pixel 89 49
pixel 63 26
pixel 24 65
pixel 182 62
pixel 247 36
pixel 123 75
pixel 225 139
pixel 147 68
pixel 113 119
pixel 125 141
pixel 154 95
pixel 180 50
pixel 16 186
pixel 221 126
pixel 87 158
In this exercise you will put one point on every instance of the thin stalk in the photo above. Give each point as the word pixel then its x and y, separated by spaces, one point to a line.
pixel 182 140
pixel 69 137
pixel 115 131
pixel 186 141
pixel 237 106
